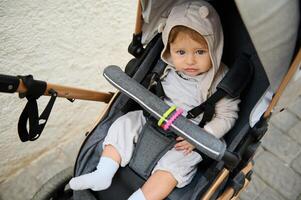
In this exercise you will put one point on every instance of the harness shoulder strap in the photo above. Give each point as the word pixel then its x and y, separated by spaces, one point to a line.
pixel 155 82
pixel 207 107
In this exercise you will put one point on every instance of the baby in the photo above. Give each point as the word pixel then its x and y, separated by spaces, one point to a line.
pixel 193 45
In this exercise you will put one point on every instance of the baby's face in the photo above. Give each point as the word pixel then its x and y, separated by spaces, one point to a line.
pixel 189 56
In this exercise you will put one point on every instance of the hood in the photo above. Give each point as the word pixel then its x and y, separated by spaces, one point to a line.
pixel 203 18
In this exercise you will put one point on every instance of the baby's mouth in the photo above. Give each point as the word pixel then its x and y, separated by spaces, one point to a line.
pixel 189 69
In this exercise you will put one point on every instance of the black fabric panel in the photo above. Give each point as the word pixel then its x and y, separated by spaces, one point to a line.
pixel 151 146
pixel 124 183
pixel 238 76
pixel 249 99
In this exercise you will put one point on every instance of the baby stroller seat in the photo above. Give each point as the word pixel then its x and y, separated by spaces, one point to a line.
pixel 240 139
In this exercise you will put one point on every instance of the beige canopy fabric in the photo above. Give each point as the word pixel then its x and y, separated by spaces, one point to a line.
pixel 273 28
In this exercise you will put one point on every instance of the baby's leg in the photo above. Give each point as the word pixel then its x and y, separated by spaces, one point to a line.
pixel 182 167
pixel 122 135
pixel 117 150
pixel 110 151
pixel 174 169
pixel 159 185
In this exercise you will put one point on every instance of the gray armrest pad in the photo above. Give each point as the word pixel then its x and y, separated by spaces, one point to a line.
pixel 203 141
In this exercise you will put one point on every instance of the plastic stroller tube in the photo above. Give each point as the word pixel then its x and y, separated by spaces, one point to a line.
pixel 8 84
pixel 203 141
pixel 231 159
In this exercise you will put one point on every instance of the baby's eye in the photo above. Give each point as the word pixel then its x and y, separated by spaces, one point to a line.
pixel 200 52
pixel 180 52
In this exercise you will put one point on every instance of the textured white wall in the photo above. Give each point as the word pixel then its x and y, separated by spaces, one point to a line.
pixel 65 42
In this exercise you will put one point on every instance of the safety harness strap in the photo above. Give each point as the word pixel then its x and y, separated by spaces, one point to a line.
pixel 207 107
pixel 159 91
pixel 157 72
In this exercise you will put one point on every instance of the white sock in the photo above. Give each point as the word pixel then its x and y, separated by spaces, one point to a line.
pixel 138 195
pixel 98 180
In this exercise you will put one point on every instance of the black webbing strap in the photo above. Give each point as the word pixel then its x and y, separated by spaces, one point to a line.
pixel 207 107
pixel 159 91
pixel 36 124
pixel 154 82
pixel 156 78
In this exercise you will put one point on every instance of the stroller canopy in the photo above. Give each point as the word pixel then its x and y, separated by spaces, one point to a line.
pixel 272 26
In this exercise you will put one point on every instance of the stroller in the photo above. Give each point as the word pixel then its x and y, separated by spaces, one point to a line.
pixel 227 167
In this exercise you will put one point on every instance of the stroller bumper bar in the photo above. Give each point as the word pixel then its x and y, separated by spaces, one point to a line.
pixel 203 141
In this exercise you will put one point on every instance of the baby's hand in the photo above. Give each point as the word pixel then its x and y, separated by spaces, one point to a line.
pixel 183 145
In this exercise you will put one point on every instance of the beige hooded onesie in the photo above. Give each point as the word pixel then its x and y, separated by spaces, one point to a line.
pixel 184 92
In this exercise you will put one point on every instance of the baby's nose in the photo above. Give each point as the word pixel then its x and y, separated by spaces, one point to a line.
pixel 190 59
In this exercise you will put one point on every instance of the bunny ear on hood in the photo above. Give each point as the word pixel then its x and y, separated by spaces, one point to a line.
pixel 203 18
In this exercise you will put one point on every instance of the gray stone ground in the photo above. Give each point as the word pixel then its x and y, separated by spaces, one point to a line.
pixel 277 171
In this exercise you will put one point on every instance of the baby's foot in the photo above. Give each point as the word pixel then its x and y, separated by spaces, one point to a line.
pixel 98 180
